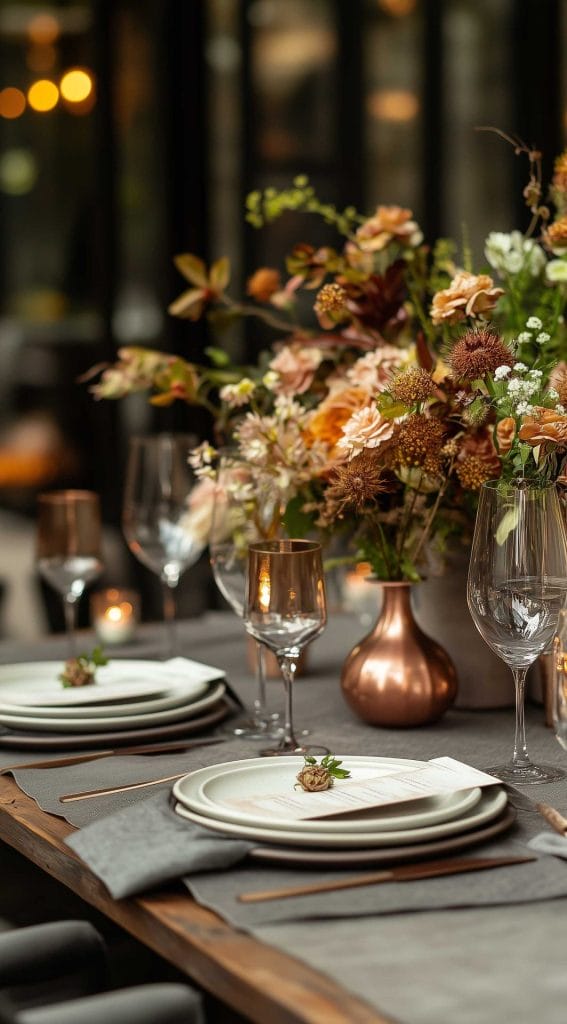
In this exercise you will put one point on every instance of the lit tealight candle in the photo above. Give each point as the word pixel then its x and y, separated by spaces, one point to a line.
pixel 114 616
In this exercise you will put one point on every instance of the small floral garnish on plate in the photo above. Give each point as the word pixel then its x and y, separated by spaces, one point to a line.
pixel 81 671
pixel 315 777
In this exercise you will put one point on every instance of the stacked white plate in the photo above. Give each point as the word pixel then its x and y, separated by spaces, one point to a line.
pixel 128 699
pixel 209 797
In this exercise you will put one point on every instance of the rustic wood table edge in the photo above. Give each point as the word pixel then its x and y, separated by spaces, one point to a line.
pixel 253 978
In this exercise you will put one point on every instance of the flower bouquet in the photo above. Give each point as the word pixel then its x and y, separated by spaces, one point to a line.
pixel 398 379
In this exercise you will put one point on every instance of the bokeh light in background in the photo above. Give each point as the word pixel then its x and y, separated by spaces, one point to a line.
pixel 77 90
pixel 76 85
pixel 397 8
pixel 43 95
pixel 12 103
pixel 43 29
pixel 395 105
pixel 18 172
pixel 41 58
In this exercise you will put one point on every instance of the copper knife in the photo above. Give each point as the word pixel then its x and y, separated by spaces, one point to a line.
pixel 405 873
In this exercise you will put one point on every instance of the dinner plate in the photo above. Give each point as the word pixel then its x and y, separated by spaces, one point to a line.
pixel 20 740
pixel 211 791
pixel 391 855
pixel 80 724
pixel 491 804
pixel 122 687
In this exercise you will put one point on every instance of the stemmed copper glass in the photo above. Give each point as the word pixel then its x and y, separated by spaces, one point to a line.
pixel 69 547
pixel 285 609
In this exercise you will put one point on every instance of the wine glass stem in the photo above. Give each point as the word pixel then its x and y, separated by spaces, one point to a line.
pixel 169 615
pixel 288 666
pixel 70 609
pixel 520 757
pixel 260 702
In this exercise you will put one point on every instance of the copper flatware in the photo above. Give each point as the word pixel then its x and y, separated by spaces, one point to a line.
pixel 553 818
pixel 406 873
pixel 89 794
pixel 169 746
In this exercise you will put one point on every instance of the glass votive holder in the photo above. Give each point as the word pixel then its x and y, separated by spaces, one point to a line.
pixel 114 614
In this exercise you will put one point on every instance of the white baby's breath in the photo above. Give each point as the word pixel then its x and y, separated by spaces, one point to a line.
pixel 501 372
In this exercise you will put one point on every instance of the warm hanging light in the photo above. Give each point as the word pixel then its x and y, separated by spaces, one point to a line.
pixel 12 103
pixel 394 105
pixel 43 95
pixel 76 85
pixel 43 29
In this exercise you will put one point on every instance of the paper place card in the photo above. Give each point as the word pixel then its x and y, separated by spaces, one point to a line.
pixel 439 776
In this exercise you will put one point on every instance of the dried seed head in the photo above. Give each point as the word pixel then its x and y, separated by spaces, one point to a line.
pixel 412 386
pixel 479 351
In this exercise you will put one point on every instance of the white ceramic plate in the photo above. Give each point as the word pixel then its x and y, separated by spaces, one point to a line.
pixel 72 742
pixel 491 804
pixel 107 724
pixel 122 687
pixel 209 791
pixel 305 857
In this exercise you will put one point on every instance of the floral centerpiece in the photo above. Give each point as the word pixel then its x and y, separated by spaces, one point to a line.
pixel 398 379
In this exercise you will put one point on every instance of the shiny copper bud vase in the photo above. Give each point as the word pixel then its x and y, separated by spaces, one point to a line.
pixel 397 676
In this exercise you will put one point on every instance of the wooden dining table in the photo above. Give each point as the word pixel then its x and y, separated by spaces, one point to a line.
pixel 254 978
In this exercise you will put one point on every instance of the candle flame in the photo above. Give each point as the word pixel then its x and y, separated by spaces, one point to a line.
pixel 114 613
pixel 264 590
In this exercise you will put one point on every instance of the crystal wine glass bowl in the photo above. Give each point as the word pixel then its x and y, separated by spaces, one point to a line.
pixel 240 514
pixel 517 586
pixel 286 609
pixel 69 547
pixel 160 525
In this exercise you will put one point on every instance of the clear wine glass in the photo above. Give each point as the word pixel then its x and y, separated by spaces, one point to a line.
pixel 285 609
pixel 516 588
pixel 239 518
pixel 559 681
pixel 69 548
pixel 159 524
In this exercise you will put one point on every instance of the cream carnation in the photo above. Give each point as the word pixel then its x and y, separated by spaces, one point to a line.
pixel 367 428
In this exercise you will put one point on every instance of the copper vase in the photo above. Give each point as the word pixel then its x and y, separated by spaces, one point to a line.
pixel 397 676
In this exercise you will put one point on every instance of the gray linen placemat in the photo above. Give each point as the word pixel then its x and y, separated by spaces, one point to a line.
pixel 146 842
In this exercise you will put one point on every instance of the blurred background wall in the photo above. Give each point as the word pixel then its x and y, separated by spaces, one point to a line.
pixel 131 130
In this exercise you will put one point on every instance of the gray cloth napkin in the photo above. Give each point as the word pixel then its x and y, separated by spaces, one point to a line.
pixel 148 844
pixel 140 846
pixel 549 842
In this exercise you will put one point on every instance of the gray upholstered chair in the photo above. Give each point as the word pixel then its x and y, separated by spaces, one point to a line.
pixel 73 953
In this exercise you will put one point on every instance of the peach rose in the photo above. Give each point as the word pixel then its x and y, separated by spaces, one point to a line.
pixel 263 284
pixel 555 236
pixel 366 428
pixel 373 371
pixel 505 433
pixel 296 367
pixel 327 420
pixel 467 295
pixel 389 223
pixel 546 426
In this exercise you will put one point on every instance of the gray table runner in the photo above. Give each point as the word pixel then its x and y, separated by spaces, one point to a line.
pixel 477 966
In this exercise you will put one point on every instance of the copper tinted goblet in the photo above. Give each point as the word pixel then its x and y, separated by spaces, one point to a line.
pixel 69 547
